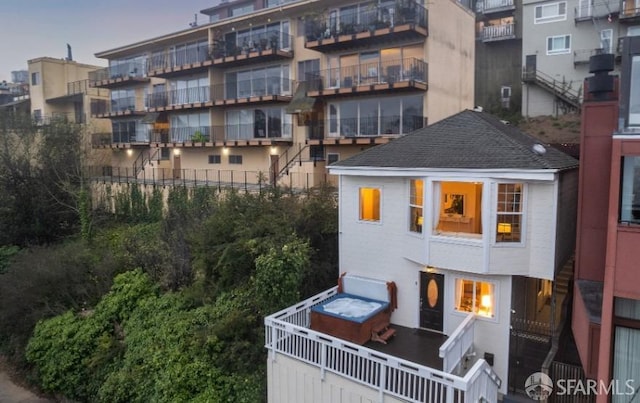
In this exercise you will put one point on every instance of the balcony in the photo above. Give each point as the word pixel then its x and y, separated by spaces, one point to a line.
pixel 367 130
pixel 174 63
pixel 118 75
pixel 382 368
pixel 75 92
pixel 494 33
pixel 403 21
pixel 257 48
pixel 245 134
pixel 179 99
pixel 494 6
pixel 257 90
pixel 126 106
pixel 582 56
pixel 595 9
pixel 375 77
pixel 630 11
pixel 134 135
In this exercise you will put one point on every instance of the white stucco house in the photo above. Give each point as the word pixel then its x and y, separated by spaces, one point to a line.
pixel 471 220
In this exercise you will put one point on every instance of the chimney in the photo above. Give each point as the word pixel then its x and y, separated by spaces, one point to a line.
pixel 69 56
pixel 601 86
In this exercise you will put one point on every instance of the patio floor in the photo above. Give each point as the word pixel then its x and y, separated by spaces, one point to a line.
pixel 415 345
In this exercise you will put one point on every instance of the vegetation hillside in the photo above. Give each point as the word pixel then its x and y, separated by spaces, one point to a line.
pixel 146 303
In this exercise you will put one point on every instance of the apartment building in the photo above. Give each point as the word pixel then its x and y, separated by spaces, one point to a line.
pixel 498 80
pixel 59 88
pixel 559 37
pixel 466 224
pixel 606 305
pixel 273 92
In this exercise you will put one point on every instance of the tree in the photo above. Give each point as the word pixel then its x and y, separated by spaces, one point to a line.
pixel 42 188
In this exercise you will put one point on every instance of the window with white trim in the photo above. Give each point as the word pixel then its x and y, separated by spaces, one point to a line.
pixel 370 204
pixel 509 212
pixel 551 12
pixel 558 45
pixel 475 296
pixel 606 40
pixel 416 205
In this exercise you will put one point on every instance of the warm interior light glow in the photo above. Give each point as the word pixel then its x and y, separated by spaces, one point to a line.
pixel 420 220
pixel 485 301
pixel 370 204
pixel 504 228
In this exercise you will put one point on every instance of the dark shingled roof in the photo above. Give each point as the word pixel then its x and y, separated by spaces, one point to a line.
pixel 466 140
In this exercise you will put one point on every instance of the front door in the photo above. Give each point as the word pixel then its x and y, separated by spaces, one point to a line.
pixel 431 301
pixel 177 170
pixel 275 169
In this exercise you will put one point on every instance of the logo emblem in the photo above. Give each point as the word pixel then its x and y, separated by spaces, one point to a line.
pixel 538 386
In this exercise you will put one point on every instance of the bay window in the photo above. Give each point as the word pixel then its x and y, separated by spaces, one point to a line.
pixel 416 205
pixel 509 212
pixel 458 209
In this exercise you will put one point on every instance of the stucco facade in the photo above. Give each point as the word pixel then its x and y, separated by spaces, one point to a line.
pixel 434 41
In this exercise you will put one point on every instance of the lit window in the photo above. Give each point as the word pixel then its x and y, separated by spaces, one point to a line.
pixel 509 212
pixel 558 45
pixel 416 205
pixel 630 190
pixel 551 12
pixel 369 204
pixel 460 209
pixel 475 296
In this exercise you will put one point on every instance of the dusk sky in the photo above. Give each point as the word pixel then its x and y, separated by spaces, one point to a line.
pixel 36 28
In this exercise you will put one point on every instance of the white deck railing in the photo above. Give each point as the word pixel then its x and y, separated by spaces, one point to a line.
pixel 288 333
pixel 456 347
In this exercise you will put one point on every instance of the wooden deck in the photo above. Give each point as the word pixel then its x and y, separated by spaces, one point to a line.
pixel 415 345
